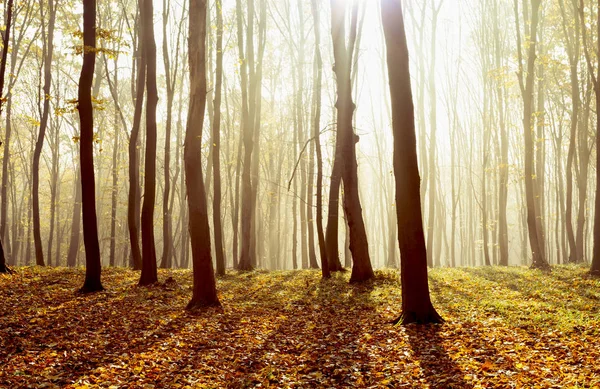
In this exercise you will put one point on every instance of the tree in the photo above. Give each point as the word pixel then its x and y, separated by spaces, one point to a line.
pixel 526 83
pixel 204 292
pixel 416 303
pixel 216 143
pixel 317 76
pixel 75 224
pixel 149 274
pixel 5 41
pixel 86 152
pixel 361 269
pixel 245 262
pixel 48 39
pixel 595 75
pixel 133 199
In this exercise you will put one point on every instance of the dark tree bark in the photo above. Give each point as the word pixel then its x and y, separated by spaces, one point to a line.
pixel 48 53
pixel 361 262
pixel 205 292
pixel 416 303
pixel 216 137
pixel 317 77
pixel 86 143
pixel 133 198
pixel 149 274
pixel 5 41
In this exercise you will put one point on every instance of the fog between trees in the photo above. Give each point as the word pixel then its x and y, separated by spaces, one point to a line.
pixel 505 107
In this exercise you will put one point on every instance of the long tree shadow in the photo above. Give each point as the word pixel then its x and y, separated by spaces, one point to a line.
pixel 438 368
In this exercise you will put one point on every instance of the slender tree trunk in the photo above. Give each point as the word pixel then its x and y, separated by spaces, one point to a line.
pixel 149 275
pixel 115 184
pixel 86 143
pixel 204 292
pixel 527 88
pixel 5 42
pixel 48 52
pixel 75 224
pixel 133 198
pixel 416 303
pixel 432 174
pixel 246 259
pixel 216 135
pixel 317 77
pixel 595 269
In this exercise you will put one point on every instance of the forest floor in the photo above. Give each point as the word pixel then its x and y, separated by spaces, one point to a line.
pixel 506 328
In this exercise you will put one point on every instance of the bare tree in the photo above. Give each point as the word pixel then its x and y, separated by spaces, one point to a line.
pixel 86 143
pixel 204 293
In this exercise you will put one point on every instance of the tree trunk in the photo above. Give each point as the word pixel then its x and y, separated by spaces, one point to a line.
pixel 361 263
pixel 595 269
pixel 5 41
pixel 86 143
pixel 133 198
pixel 536 237
pixel 216 135
pixel 204 292
pixel 317 77
pixel 115 184
pixel 246 259
pixel 48 52
pixel 416 303
pixel 75 224
pixel 149 275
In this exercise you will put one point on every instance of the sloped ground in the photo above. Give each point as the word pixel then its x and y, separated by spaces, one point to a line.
pixel 506 328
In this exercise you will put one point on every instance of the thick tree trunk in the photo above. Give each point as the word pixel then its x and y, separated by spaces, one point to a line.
pixel 204 292
pixel 416 303
pixel 361 269
pixel 86 143
pixel 149 274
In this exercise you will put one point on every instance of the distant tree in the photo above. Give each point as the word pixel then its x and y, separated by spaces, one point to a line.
pixel 216 137
pixel 86 143
pixel 246 260
pixel 205 292
pixel 75 223
pixel 5 41
pixel 416 303
pixel 149 274
pixel 527 82
pixel 317 79
pixel 361 262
